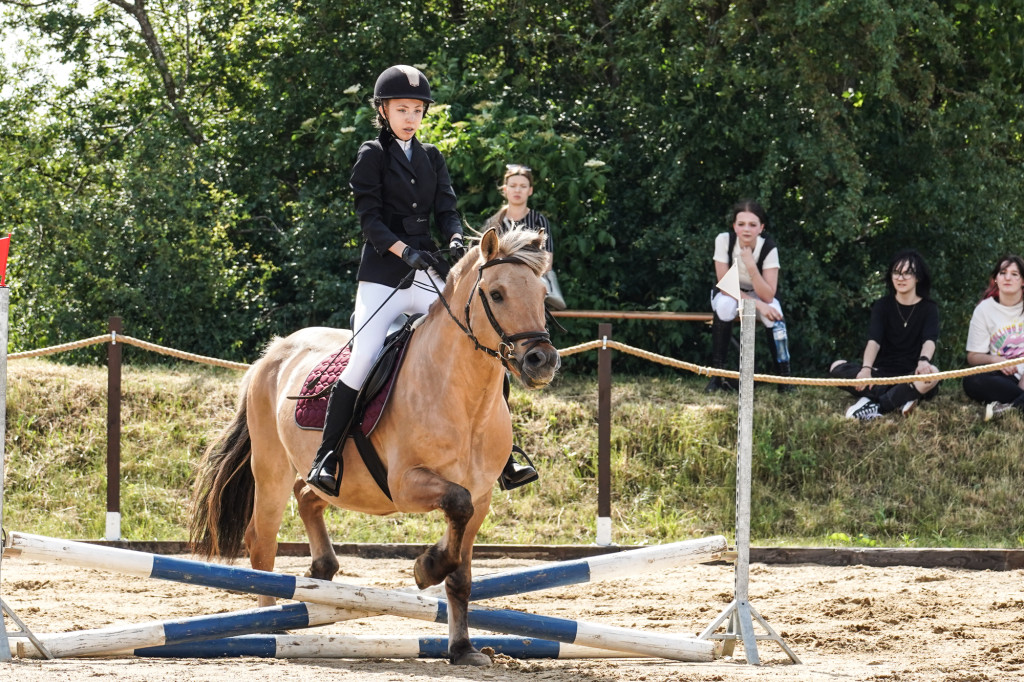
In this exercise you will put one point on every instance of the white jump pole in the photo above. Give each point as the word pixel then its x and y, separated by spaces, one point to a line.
pixel 741 612
pixel 300 615
pixel 351 646
pixel 365 646
pixel 387 602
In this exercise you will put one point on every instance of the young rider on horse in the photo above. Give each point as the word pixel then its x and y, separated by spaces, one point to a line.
pixel 398 182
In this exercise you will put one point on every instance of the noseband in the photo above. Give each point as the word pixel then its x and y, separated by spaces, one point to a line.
pixel 506 350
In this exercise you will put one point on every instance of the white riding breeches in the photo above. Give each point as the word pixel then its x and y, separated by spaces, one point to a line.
pixel 374 313
pixel 727 309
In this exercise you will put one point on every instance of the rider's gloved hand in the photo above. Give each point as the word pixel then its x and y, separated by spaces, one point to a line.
pixel 417 259
pixel 456 247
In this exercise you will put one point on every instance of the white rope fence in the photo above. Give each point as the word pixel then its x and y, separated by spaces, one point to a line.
pixel 700 370
pixel 114 337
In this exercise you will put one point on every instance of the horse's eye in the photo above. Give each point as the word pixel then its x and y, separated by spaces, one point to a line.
pixel 496 296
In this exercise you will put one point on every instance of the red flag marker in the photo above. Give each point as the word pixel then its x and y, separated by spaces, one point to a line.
pixel 5 244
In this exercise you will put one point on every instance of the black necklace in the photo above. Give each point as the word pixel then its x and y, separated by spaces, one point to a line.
pixel 900 312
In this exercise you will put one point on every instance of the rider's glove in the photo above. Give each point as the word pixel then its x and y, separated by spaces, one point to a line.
pixel 418 260
pixel 456 248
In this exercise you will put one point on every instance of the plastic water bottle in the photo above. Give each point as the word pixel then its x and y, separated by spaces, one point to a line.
pixel 781 341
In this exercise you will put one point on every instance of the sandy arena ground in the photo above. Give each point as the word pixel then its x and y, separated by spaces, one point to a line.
pixel 854 623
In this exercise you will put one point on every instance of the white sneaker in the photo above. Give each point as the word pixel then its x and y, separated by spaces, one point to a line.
pixel 994 409
pixel 908 407
pixel 852 412
pixel 868 411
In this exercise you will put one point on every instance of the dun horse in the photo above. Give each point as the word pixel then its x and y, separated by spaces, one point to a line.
pixel 443 439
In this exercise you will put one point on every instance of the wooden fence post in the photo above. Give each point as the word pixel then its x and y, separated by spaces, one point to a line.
pixel 113 528
pixel 604 437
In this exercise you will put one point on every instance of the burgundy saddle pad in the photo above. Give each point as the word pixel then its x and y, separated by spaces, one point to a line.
pixel 310 412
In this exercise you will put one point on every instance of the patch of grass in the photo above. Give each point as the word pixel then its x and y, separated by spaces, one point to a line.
pixel 940 477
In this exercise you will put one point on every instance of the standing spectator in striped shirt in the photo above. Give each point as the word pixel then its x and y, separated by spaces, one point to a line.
pixel 517 188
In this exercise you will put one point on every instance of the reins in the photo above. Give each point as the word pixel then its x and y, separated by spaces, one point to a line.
pixel 506 350
pixel 327 389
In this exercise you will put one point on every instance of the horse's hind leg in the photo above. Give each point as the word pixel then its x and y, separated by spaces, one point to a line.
pixel 311 511
pixel 273 475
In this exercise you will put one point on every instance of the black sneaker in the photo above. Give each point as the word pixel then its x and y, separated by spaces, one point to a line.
pixel 720 384
pixel 864 409
pixel 994 409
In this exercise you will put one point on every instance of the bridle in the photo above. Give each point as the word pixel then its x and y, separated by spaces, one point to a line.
pixel 507 347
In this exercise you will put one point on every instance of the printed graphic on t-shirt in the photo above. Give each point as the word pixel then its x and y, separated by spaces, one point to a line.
pixel 1009 341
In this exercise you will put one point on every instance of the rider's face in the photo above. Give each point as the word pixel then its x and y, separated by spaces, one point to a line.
pixel 404 115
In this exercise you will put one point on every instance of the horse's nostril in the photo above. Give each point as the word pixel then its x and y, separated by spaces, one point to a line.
pixel 539 358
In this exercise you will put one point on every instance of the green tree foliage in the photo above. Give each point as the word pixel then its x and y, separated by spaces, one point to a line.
pixel 192 175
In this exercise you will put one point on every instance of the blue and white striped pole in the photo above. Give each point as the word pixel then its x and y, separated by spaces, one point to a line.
pixel 339 646
pixel 346 646
pixel 604 567
pixel 362 599
pixel 302 615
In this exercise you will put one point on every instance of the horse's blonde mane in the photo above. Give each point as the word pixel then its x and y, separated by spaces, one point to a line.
pixel 524 244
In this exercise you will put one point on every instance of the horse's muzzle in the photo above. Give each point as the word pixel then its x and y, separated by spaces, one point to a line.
pixel 539 365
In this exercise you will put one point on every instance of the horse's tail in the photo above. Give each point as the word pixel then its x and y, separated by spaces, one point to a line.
pixel 222 499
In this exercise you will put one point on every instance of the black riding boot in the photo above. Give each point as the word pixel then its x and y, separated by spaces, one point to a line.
pixel 721 337
pixel 781 368
pixel 325 474
pixel 514 474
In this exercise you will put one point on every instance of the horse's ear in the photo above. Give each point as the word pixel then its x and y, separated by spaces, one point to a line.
pixel 489 244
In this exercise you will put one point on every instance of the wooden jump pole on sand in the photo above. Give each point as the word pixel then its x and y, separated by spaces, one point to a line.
pixel 366 599
pixel 304 615
pixel 367 646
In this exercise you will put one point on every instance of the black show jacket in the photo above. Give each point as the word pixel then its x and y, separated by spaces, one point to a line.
pixel 394 199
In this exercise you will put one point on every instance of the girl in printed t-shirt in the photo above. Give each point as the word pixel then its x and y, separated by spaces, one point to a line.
pixel 996 335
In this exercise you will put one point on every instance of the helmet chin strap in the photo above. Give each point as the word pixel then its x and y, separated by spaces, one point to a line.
pixel 382 110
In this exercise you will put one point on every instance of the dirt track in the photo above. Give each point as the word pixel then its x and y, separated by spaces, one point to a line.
pixel 853 623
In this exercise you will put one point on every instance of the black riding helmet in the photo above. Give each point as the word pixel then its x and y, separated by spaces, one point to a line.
pixel 402 82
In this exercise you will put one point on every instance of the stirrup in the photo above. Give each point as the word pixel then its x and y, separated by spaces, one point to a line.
pixel 516 475
pixel 323 480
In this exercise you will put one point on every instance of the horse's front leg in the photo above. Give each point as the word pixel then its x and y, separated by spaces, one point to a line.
pixel 449 559
pixel 422 490
pixel 458 585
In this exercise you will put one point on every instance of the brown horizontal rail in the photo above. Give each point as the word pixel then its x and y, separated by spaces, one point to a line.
pixel 634 315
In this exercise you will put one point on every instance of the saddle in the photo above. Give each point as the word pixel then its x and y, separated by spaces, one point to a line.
pixel 311 405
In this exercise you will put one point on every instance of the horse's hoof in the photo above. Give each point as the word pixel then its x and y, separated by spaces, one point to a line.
pixel 417 574
pixel 476 658
pixel 422 573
